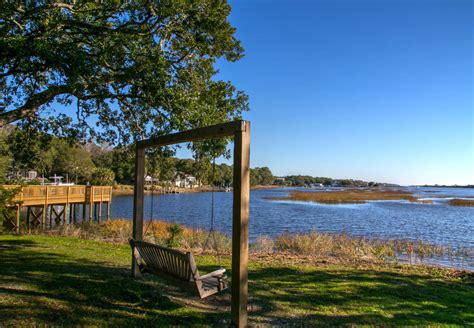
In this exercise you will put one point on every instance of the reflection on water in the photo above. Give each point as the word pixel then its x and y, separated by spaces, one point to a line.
pixel 437 223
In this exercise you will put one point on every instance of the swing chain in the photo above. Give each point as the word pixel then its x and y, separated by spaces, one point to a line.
pixel 152 206
pixel 212 231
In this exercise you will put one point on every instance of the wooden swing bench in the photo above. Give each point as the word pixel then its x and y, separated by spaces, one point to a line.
pixel 178 267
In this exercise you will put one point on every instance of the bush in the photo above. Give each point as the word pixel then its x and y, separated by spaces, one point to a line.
pixel 263 244
pixel 176 233
pixel 7 209
pixel 102 176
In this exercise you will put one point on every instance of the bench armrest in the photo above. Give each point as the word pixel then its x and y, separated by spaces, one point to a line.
pixel 217 274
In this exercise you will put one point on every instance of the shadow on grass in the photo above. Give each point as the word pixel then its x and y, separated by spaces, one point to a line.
pixel 41 286
pixel 341 297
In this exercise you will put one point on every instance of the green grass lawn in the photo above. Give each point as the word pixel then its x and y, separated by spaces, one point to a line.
pixel 69 281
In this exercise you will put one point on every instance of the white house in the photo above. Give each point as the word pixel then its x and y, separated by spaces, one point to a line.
pixel 150 181
pixel 182 180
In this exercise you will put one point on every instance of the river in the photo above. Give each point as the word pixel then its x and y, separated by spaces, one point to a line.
pixel 436 223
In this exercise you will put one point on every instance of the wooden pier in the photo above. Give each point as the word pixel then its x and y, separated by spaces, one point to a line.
pixel 49 206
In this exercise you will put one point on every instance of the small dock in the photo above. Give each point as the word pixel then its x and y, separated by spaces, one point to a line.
pixel 49 206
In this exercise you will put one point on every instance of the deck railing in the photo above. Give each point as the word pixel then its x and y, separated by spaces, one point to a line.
pixel 41 195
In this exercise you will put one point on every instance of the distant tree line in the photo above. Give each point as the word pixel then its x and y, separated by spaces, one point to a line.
pixel 308 181
pixel 23 149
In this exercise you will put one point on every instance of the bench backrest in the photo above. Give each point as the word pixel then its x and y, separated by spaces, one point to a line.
pixel 162 259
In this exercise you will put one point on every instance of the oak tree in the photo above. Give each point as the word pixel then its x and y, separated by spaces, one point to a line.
pixel 123 70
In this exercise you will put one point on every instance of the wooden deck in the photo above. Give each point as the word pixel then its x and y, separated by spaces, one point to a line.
pixel 49 206
pixel 33 195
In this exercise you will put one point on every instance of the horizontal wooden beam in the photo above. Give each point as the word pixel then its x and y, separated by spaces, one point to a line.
pixel 208 132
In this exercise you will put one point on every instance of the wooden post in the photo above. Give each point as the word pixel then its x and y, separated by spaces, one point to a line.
pixel 65 214
pixel 74 213
pixel 45 210
pixel 43 217
pixel 66 207
pixel 108 211
pixel 51 208
pixel 109 203
pixel 17 219
pixel 28 212
pixel 138 203
pixel 83 212
pixel 240 218
pixel 100 212
pixel 91 208
pixel 71 212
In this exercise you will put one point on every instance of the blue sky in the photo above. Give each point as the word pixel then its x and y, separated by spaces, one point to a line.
pixel 373 90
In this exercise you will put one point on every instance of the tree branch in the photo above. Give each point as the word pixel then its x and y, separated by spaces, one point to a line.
pixel 30 107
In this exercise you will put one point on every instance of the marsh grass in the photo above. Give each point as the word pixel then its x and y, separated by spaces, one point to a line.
pixel 334 248
pixel 351 196
pixel 160 232
pixel 349 248
pixel 462 202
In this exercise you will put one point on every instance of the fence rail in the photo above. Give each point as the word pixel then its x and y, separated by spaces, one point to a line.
pixel 51 195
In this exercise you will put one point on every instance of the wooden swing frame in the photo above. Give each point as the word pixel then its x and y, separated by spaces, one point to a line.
pixel 240 131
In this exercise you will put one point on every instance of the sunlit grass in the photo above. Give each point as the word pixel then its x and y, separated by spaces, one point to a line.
pixel 68 281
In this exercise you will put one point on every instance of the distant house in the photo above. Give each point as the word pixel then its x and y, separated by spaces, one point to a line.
pixel 31 175
pixel 182 180
pixel 150 181
pixel 26 177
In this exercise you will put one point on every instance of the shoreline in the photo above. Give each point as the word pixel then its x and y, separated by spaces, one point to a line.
pixel 126 190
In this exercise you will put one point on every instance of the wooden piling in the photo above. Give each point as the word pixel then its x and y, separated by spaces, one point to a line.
pixel 17 219
pixel 28 212
pixel 83 213
pixel 100 212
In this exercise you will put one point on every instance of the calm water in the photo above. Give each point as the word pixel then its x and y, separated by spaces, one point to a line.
pixel 436 223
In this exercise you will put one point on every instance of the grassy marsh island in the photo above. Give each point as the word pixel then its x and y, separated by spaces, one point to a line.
pixel 351 196
pixel 462 202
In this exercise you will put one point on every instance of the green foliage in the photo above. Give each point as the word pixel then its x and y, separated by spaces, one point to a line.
pixel 102 176
pixel 72 160
pixel 175 234
pixel 120 160
pixel 136 68
pixel 34 150
pixel 7 212
pixel 185 166
pixel 226 175
pixel 5 155
pixel 167 169
pixel 31 150
pixel 261 176
pixel 306 180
